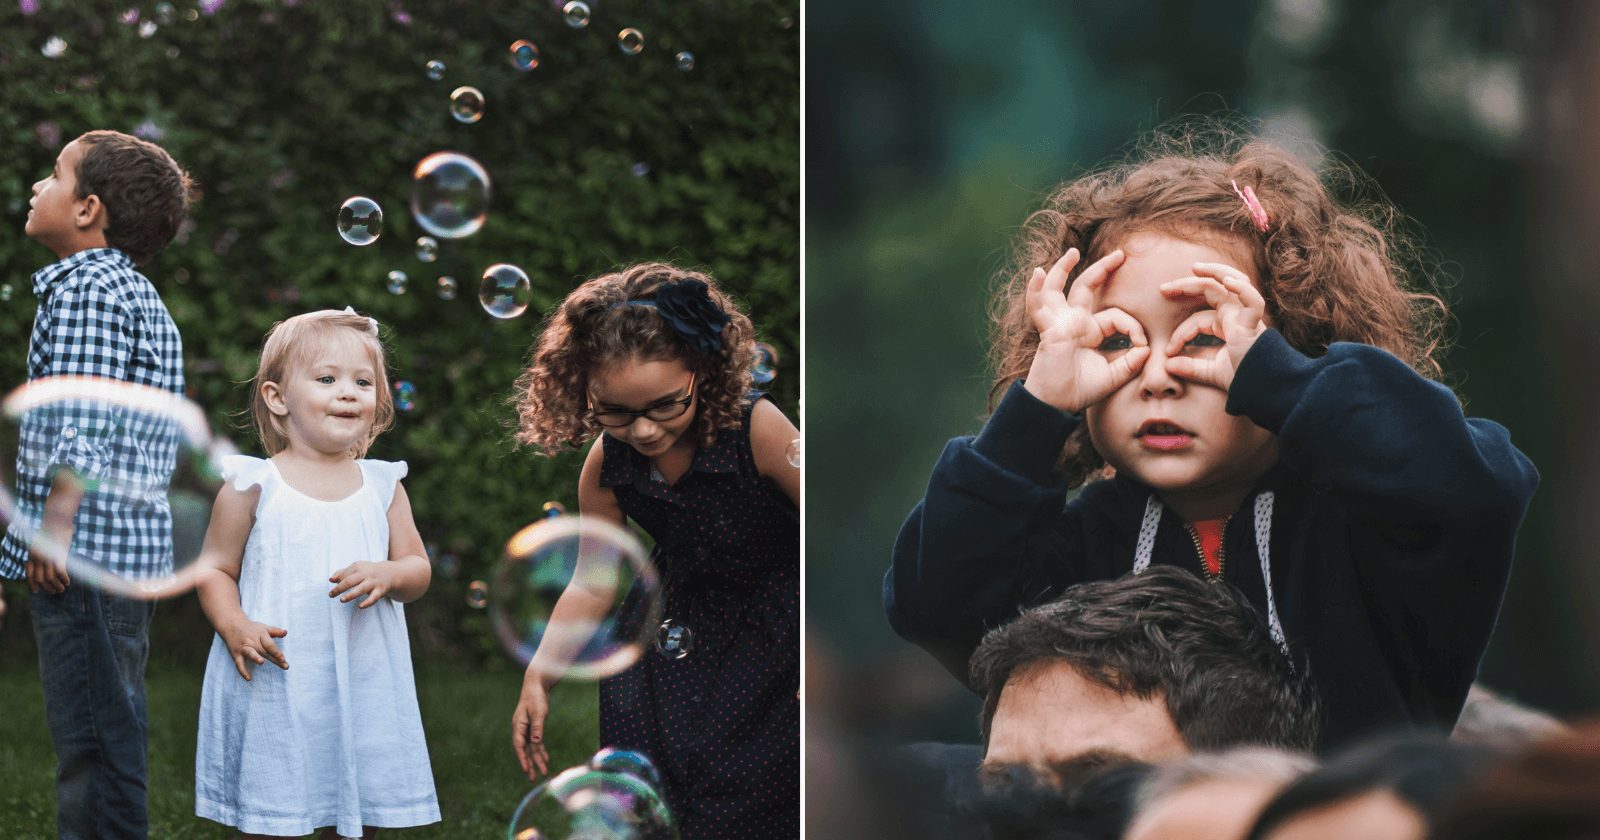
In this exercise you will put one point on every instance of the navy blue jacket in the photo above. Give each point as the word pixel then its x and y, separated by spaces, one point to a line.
pixel 1393 530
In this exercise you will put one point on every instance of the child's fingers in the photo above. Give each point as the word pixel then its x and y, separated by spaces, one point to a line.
pixel 238 662
pixel 1128 365
pixel 275 653
pixel 1251 297
pixel 1212 290
pixel 377 595
pixel 356 591
pixel 1222 271
pixel 1089 282
pixel 1203 371
pixel 1194 325
pixel 1055 280
pixel 277 632
pixel 1113 321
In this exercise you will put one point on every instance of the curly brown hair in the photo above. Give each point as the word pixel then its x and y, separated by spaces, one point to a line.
pixel 588 329
pixel 1330 271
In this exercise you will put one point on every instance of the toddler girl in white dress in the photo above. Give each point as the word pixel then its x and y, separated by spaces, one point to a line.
pixel 313 553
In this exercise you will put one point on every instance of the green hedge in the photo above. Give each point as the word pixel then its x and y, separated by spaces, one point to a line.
pixel 282 110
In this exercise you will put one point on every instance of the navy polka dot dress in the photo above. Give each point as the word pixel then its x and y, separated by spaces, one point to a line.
pixel 721 723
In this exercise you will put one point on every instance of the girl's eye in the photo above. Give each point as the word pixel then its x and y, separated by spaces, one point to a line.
pixel 326 380
pixel 1115 343
pixel 365 383
pixel 1205 340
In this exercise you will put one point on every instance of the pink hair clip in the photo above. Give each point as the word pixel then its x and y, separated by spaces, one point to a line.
pixel 1258 214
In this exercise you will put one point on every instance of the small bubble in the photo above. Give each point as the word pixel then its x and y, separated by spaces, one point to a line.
pixel 450 195
pixel 397 282
pixel 641 169
pixel 181 275
pixel 360 220
pixel 787 23
pixel 54 47
pixel 5 292
pixel 128 17
pixel 147 29
pixel 630 41
pixel 674 641
pixel 766 367
pixel 685 61
pixel 427 249
pixel 477 594
pixel 793 453
pixel 405 396
pixel 191 15
pixel 554 509
pixel 165 13
pixel 447 288
pixel 172 52
pixel 524 55
pixel 576 14
pixel 505 291
pixel 466 104
pixel 435 69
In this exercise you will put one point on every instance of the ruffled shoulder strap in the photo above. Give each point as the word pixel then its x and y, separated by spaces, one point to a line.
pixel 246 471
pixel 383 476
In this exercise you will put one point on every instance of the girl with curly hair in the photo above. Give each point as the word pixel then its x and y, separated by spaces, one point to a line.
pixel 1236 372
pixel 655 362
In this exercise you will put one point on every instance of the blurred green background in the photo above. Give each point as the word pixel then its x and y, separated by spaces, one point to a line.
pixel 932 131
pixel 282 109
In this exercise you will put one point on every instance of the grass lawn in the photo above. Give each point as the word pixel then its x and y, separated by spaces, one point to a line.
pixel 466 713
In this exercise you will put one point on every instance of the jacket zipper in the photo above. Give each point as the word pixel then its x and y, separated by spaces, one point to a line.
pixel 1222 551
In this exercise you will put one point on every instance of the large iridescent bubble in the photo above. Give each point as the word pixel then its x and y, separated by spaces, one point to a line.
pixel 140 455
pixel 589 803
pixel 578 594
pixel 450 195
pixel 505 291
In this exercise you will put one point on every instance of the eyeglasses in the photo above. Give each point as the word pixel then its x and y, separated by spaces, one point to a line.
pixel 659 413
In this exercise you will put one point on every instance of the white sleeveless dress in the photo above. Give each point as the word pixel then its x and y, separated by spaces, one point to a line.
pixel 337 738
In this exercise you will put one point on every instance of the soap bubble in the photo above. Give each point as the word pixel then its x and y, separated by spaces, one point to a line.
pixel 55 47
pixel 128 17
pixel 576 14
pixel 427 249
pixel 630 41
pixel 477 594
pixel 793 453
pixel 582 803
pixel 524 55
pixel 613 760
pixel 466 104
pixel 447 287
pixel 685 61
pixel 397 282
pixel 435 69
pixel 165 13
pixel 450 195
pixel 5 292
pixel 405 395
pixel 505 291
pixel 674 640
pixel 360 220
pixel 609 592
pixel 640 169
pixel 147 29
pixel 138 454
pixel 766 368
pixel 554 509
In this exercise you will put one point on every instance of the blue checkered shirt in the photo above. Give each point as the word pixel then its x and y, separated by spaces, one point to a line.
pixel 100 317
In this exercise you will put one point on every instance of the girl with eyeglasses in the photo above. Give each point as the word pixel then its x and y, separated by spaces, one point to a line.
pixel 655 362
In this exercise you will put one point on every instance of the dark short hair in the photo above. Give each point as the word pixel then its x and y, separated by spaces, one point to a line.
pixel 145 192
pixel 1421 769
pixel 1201 646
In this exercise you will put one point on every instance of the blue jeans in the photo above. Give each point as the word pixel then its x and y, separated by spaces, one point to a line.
pixel 92 652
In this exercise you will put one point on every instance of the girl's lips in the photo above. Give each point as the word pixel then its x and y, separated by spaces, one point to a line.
pixel 1165 443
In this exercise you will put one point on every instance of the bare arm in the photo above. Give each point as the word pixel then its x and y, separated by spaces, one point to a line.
pixel 217 582
pixel 44 569
pixel 771 433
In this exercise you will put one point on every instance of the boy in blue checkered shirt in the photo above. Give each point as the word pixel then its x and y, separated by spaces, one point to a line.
pixel 111 203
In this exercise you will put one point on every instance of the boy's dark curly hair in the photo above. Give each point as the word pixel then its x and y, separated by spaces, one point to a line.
pixel 145 192
pixel 1329 271
pixel 588 329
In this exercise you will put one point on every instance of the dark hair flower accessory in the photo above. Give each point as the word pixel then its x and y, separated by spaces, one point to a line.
pixel 687 307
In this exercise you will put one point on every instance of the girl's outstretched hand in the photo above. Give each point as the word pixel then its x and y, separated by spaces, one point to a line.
pixel 1237 318
pixel 1083 355
pixel 252 640
pixel 527 727
pixel 373 580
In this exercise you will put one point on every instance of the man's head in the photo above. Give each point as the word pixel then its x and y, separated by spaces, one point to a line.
pixel 110 189
pixel 1148 667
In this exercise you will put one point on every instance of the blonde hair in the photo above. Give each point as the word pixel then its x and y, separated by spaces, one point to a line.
pixel 295 342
